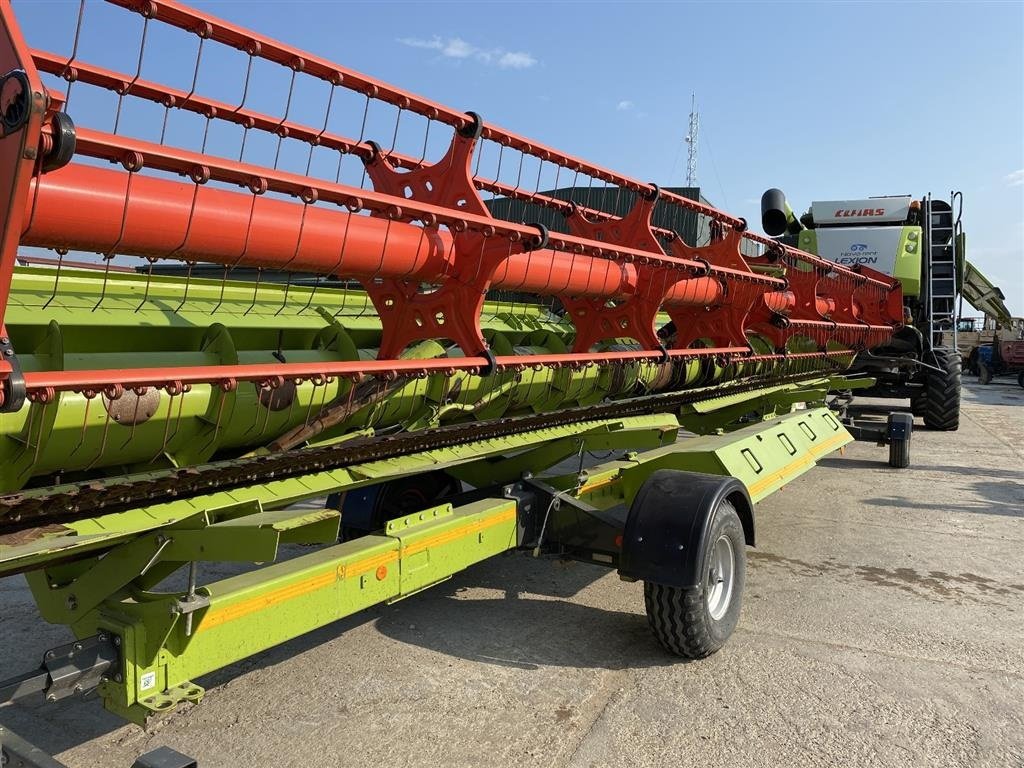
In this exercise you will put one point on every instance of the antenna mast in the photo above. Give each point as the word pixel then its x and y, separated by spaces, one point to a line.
pixel 691 143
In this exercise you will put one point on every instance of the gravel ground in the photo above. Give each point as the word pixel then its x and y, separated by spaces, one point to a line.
pixel 882 625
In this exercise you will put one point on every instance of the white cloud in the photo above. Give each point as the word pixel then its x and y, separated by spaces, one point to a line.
pixel 516 60
pixel 433 44
pixel 1015 179
pixel 457 48
pixel 624 106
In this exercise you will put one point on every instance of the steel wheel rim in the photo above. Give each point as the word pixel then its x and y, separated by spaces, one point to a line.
pixel 721 577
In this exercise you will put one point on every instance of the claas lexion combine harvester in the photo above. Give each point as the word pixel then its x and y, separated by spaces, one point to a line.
pixel 374 337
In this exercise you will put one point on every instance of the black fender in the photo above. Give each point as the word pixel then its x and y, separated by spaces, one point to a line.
pixel 668 522
pixel 899 426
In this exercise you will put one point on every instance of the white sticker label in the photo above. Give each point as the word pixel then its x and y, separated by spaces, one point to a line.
pixel 875 247
pixel 147 681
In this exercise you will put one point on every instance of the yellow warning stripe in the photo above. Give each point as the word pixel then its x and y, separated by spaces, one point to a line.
pixel 461 531
pixel 806 460
pixel 359 567
pixel 215 618
pixel 274 597
pixel 827 446
pixel 591 487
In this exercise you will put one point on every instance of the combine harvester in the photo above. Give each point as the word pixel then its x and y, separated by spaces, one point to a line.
pixel 920 243
pixel 364 329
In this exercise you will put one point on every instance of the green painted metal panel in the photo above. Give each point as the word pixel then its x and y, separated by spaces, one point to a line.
pixel 258 610
pixel 763 456
pixel 436 543
pixel 907 268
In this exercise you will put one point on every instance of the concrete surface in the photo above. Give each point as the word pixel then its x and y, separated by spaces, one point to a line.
pixel 882 626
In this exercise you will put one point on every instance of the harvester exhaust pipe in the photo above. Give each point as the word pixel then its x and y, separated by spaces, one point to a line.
pixel 773 212
pixel 777 218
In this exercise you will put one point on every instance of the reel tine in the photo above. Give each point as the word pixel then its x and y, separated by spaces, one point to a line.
pixel 135 414
pixel 426 140
pixel 255 290
pixel 312 295
pixel 341 257
pixel 167 426
pixel 39 406
pixel 319 137
pixel 188 283
pixel 149 282
pixel 68 66
pixel 226 387
pixel 61 253
pixel 360 140
pixel 85 422
pixel 103 437
pixel 138 71
pixel 223 286
pixel 132 165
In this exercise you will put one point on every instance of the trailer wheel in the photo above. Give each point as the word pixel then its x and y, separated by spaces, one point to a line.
pixel 941 406
pixel 694 622
pixel 984 374
pixel 898 431
pixel 1020 379
pixel 899 453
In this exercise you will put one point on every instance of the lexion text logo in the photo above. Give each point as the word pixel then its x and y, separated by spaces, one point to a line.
pixel 858 253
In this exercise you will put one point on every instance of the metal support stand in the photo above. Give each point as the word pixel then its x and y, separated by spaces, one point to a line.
pixel 896 433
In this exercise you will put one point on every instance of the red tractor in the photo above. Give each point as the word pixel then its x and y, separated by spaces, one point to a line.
pixel 1001 358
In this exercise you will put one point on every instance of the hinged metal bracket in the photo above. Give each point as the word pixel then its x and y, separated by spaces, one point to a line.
pixel 66 670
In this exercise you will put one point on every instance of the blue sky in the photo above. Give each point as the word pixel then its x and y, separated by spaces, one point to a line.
pixel 826 101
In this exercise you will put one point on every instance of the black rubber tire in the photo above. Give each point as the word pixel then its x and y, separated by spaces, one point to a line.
pixel 1020 379
pixel 679 617
pixel 917 405
pixel 984 374
pixel 899 454
pixel 941 406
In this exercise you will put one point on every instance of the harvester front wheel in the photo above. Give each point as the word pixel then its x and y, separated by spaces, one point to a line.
pixel 941 398
pixel 917 404
pixel 694 622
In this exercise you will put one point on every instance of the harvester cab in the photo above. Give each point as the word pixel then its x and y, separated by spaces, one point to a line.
pixel 920 243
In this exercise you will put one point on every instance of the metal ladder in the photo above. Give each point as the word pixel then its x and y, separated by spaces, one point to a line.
pixel 940 242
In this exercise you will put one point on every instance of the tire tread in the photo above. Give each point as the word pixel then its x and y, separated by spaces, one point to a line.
pixel 678 617
pixel 940 401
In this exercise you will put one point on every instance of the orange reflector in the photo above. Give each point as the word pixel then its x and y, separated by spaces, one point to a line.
pixel 382 572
